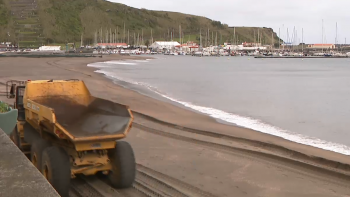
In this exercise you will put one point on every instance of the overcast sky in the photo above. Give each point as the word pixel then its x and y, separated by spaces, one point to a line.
pixel 278 14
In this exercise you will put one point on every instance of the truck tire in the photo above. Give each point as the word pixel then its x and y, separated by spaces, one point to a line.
pixel 56 169
pixel 123 162
pixel 36 152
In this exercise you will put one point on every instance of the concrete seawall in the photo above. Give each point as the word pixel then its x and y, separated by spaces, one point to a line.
pixel 18 177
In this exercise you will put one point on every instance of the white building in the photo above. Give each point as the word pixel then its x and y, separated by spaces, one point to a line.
pixel 244 48
pixel 321 46
pixel 164 45
pixel 50 48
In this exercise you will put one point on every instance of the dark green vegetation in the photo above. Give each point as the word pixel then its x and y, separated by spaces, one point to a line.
pixel 22 23
pixel 4 19
pixel 3 107
pixel 61 21
pixel 3 14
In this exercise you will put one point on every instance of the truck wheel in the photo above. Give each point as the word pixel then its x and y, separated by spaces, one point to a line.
pixel 36 152
pixel 123 170
pixel 56 169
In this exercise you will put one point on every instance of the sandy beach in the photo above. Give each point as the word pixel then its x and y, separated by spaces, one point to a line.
pixel 221 159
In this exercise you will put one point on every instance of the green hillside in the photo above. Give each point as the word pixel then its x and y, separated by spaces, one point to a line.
pixel 4 20
pixel 61 21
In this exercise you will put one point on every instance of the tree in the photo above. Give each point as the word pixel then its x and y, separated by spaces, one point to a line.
pixel 147 43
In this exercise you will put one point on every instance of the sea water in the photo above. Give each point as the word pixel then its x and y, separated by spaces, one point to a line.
pixel 302 100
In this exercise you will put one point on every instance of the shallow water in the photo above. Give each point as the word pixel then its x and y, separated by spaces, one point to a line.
pixel 302 100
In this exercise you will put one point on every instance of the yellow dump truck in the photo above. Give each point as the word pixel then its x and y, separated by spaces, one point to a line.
pixel 65 131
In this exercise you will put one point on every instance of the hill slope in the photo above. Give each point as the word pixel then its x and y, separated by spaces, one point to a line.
pixel 61 21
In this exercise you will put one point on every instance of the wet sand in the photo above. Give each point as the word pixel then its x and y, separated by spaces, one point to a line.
pixel 221 172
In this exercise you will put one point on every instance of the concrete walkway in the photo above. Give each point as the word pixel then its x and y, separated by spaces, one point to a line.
pixel 18 177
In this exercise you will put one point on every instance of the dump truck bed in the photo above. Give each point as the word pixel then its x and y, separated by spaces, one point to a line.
pixel 100 118
pixel 67 106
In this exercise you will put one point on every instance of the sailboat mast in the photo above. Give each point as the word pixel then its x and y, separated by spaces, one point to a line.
pixel 200 38
pixel 152 35
pixel 81 40
pixel 220 38
pixel 208 38
pixel 254 38
pixel 234 35
pixel 293 39
pixel 117 34
pixel 272 40
pixel 302 40
pixel 106 41
pixel 138 39
pixel 287 37
pixel 124 34
pixel 142 42
pixel 101 36
pixel 279 38
pixel 336 33
pixel 180 33
pixel 322 36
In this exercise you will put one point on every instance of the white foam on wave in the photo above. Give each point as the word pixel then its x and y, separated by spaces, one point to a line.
pixel 141 61
pixel 112 75
pixel 246 122
pixel 99 66
pixel 109 64
pixel 260 126
pixel 119 62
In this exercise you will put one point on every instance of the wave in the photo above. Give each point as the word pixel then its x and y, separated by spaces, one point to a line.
pixel 119 62
pixel 243 121
pixel 99 66
pixel 260 126
pixel 108 64
pixel 141 61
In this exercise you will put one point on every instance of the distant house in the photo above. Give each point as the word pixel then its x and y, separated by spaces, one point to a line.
pixel 112 45
pixel 164 45
pixel 321 46
pixel 190 43
pixel 252 44
pixel 188 47
pixel 50 48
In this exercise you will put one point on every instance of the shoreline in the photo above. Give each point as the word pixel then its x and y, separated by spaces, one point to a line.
pixel 101 86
